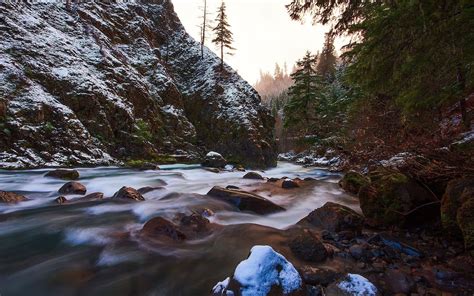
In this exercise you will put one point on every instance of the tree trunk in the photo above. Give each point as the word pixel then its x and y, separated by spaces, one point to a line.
pixel 222 57
pixel 68 5
pixel 462 102
pixel 204 24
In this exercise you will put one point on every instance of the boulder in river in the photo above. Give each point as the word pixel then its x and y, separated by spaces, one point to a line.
pixel 391 196
pixel 306 246
pixel 11 197
pixel 148 189
pixel 353 181
pixel 352 285
pixel 63 174
pixel 128 193
pixel 93 196
pixel 73 188
pixel 245 201
pixel 334 217
pixel 288 184
pixel 264 272
pixel 214 160
pixel 61 200
pixel 253 176
pixel 159 228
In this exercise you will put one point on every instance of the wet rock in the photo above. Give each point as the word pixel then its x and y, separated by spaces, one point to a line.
pixel 273 180
pixel 353 181
pixel 63 174
pixel 318 276
pixel 214 160
pixel 73 188
pixel 391 195
pixel 232 187
pixel 148 189
pixel 213 170
pixel 61 200
pixel 264 272
pixel 334 217
pixel 93 196
pixel 288 184
pixel 352 285
pixel 306 246
pixel 253 176
pixel 357 251
pixel 245 201
pixel 11 197
pixel 195 223
pixel 398 282
pixel 129 194
pixel 309 179
pixel 159 228
pixel 148 166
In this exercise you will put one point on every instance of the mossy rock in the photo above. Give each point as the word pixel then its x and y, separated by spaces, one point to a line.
pixel 353 181
pixel 451 202
pixel 465 220
pixel 389 196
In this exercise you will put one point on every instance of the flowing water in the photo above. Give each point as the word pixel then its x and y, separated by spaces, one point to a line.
pixel 92 248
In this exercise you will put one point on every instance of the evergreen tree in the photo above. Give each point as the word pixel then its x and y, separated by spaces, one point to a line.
pixel 327 58
pixel 223 35
pixel 304 95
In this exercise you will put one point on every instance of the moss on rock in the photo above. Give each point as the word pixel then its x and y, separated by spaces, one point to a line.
pixel 353 181
pixel 451 202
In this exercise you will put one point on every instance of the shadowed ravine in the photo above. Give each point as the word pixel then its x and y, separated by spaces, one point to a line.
pixel 89 248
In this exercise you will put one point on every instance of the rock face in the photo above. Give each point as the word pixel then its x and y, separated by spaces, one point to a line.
pixel 264 272
pixel 245 201
pixel 11 197
pixel 390 196
pixel 334 217
pixel 119 80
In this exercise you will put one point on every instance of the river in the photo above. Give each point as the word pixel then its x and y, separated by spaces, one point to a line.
pixel 91 248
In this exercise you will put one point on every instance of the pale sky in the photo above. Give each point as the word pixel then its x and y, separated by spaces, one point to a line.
pixel 264 34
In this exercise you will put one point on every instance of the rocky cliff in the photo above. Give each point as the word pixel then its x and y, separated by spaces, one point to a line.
pixel 111 81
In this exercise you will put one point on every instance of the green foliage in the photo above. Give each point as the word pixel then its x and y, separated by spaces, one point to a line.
pixel 142 130
pixel 48 127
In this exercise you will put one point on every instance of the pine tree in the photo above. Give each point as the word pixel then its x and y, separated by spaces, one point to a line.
pixel 223 35
pixel 305 93
pixel 327 59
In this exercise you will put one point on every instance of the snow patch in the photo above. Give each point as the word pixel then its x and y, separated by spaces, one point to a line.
pixel 357 285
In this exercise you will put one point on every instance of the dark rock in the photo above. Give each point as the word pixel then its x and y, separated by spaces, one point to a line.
pixel 148 166
pixel 288 184
pixel 73 188
pixel 213 170
pixel 63 174
pixel 93 196
pixel 398 282
pixel 309 179
pixel 245 201
pixel 147 189
pixel 129 193
pixel 334 217
pixel 11 197
pixel 306 246
pixel 232 187
pixel 159 228
pixel 253 176
pixel 61 200
pixel 391 195
pixel 457 211
pixel 357 251
pixel 318 276
pixel 195 223
pixel 314 291
pixel 353 181
pixel 273 180
pixel 214 160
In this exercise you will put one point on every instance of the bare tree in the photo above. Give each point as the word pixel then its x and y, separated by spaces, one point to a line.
pixel 205 25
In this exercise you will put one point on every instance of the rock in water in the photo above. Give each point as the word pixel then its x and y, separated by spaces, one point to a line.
pixel 129 193
pixel 63 174
pixel 264 272
pixel 214 160
pixel 96 91
pixel 352 285
pixel 245 201
pixel 253 176
pixel 334 217
pixel 73 188
pixel 11 197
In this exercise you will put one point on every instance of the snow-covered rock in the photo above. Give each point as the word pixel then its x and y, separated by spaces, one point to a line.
pixel 352 285
pixel 264 270
pixel 118 80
